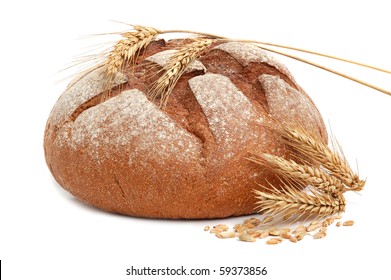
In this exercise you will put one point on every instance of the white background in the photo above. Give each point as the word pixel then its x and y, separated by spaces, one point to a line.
pixel 47 234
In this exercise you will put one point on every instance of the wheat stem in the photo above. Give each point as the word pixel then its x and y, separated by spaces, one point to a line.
pixel 316 53
pixel 263 44
pixel 330 70
pixel 214 36
pixel 202 34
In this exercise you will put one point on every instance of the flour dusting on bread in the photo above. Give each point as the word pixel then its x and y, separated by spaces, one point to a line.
pixel 220 99
pixel 286 103
pixel 130 119
pixel 89 86
pixel 248 53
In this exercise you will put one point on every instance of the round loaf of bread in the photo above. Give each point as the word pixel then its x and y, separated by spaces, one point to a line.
pixel 123 153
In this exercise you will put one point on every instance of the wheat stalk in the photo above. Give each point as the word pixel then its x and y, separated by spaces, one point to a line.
pixel 301 174
pixel 263 45
pixel 175 68
pixel 315 148
pixel 332 70
pixel 327 175
pixel 290 201
pixel 132 42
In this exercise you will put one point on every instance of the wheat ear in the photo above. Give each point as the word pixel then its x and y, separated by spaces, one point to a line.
pixel 317 150
pixel 175 68
pixel 301 174
pixel 127 49
pixel 289 201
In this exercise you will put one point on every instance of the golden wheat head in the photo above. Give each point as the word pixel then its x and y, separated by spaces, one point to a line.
pixel 315 148
pixel 300 173
pixel 127 49
pixel 290 202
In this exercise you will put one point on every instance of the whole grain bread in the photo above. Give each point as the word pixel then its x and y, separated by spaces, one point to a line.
pixel 119 151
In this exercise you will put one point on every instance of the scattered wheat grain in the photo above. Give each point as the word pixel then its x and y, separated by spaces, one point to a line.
pixel 263 234
pixel 240 228
pixel 319 235
pixel 216 230
pixel 293 239
pixel 348 223
pixel 286 235
pixel 224 227
pixel 274 241
pixel 323 229
pixel 226 234
pixel 246 238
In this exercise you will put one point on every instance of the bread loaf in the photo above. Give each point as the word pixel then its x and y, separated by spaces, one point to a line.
pixel 121 152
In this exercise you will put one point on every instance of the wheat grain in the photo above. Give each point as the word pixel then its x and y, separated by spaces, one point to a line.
pixel 319 235
pixel 348 223
pixel 328 221
pixel 274 241
pixel 247 238
pixel 225 235
pixel 293 239
pixel 278 231
pixel 176 66
pixel 278 234
pixel 219 228
pixel 216 230
pixel 252 222
pixel 286 235
pixel 263 234
pixel 253 233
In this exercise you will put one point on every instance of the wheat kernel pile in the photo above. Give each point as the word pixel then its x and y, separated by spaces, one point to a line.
pixel 254 229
